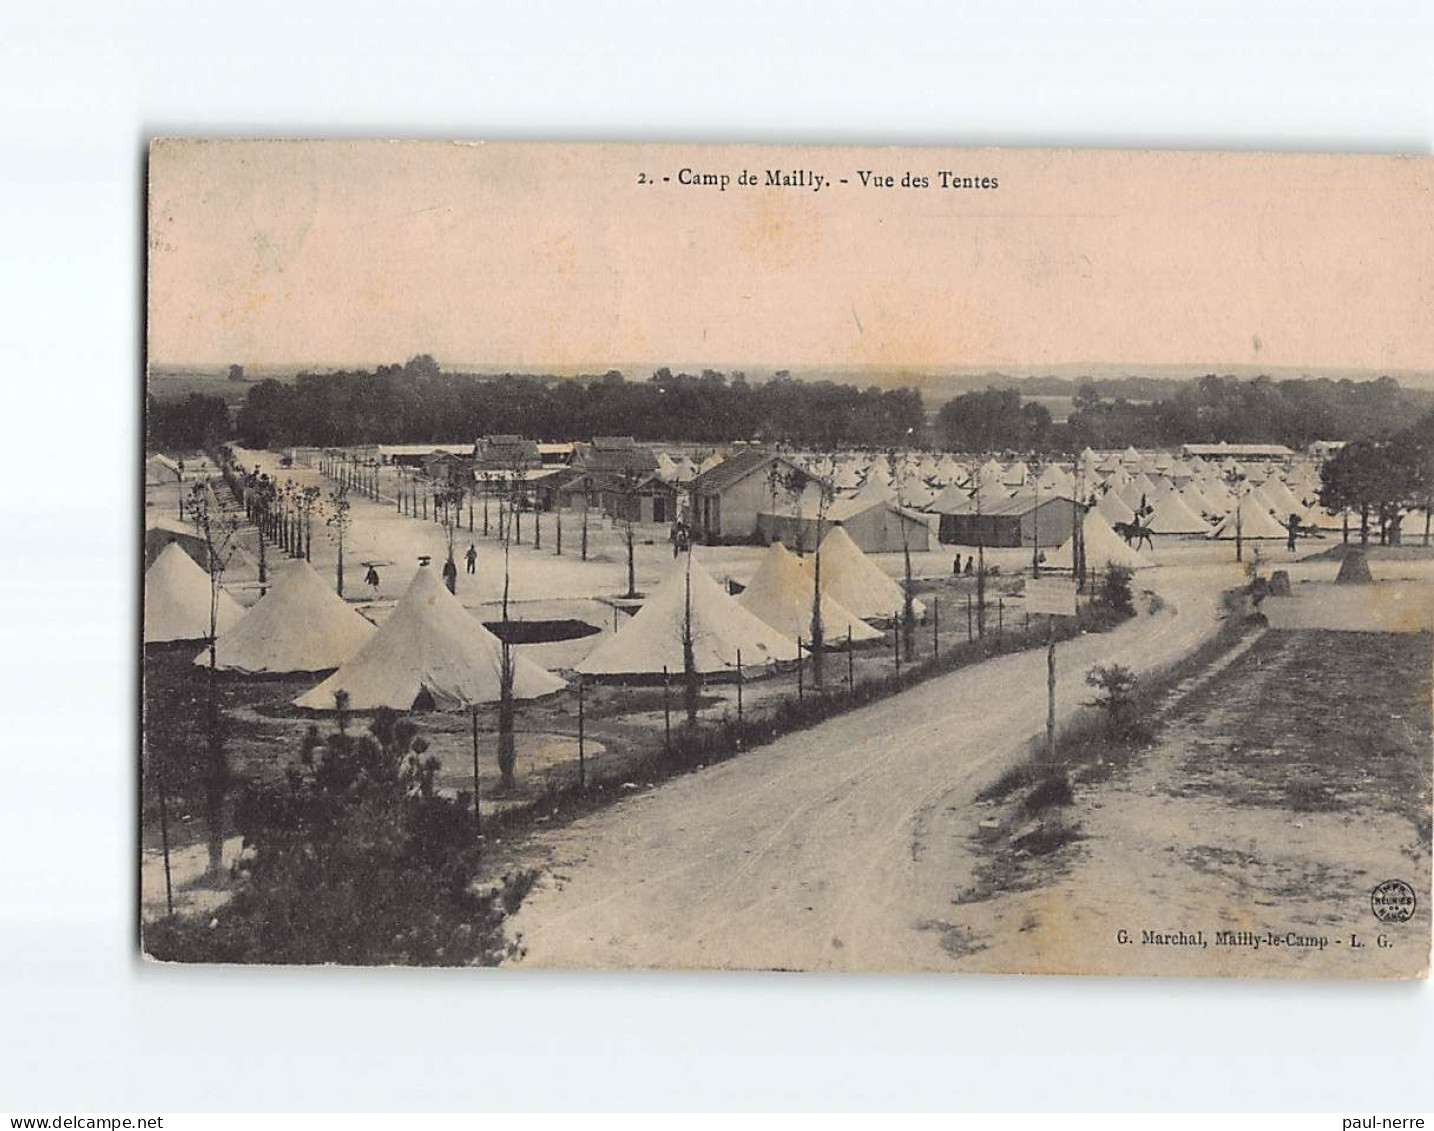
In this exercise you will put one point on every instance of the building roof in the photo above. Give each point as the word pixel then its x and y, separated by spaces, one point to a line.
pixel 1245 451
pixel 613 453
pixel 736 467
pixel 505 452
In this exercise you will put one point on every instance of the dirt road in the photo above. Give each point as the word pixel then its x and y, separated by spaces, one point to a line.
pixel 813 853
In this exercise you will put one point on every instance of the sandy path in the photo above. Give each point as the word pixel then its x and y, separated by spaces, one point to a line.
pixel 809 853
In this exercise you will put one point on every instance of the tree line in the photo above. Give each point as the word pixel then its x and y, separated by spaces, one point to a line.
pixel 417 402
pixel 1378 479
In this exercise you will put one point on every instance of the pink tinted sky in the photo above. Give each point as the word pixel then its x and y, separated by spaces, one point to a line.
pixel 556 257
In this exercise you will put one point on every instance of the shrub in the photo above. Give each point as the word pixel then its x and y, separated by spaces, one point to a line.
pixel 1116 686
pixel 1114 590
pixel 354 859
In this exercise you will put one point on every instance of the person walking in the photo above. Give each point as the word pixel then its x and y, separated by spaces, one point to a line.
pixel 371 579
pixel 472 558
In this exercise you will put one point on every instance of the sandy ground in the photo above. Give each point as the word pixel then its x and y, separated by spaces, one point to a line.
pixel 814 852
pixel 1236 821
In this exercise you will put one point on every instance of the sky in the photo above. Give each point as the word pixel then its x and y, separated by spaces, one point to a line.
pixel 564 258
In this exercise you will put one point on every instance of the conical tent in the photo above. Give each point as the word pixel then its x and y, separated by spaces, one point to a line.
pixel 855 581
pixel 1195 499
pixel 1103 547
pixel 430 643
pixel 1115 509
pixel 1172 516
pixel 1282 502
pixel 301 625
pixel 1253 521
pixel 781 595
pixel 720 627
pixel 176 600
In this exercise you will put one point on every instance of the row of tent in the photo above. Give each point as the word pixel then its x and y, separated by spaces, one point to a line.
pixel 431 648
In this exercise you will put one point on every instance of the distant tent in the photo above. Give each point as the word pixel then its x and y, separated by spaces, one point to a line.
pixel 430 645
pixel 721 627
pixel 857 582
pixel 1016 475
pixel 1253 521
pixel 1282 502
pixel 1115 509
pixel 1103 547
pixel 876 489
pixel 1172 516
pixel 1055 481
pixel 301 625
pixel 1195 499
pixel 955 499
pixel 780 594
pixel 176 600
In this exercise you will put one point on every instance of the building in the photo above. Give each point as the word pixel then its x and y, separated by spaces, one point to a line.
pixel 877 526
pixel 412 455
pixel 725 500
pixel 617 454
pixel 449 469
pixel 504 455
pixel 1022 520
pixel 1244 452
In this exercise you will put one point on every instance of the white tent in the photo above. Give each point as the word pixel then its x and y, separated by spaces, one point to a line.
pixel 430 643
pixel 781 595
pixel 1172 516
pixel 1282 502
pixel 301 625
pixel 857 582
pixel 1103 547
pixel 653 638
pixel 1195 499
pixel 176 600
pixel 1253 521
pixel 1115 509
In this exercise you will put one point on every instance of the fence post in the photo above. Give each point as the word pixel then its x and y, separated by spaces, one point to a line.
pixel 850 666
pixel 936 626
pixel 1000 618
pixel 582 741
pixel 969 633
pixel 477 813
pixel 896 640
pixel 739 687
pixel 800 688
pixel 666 713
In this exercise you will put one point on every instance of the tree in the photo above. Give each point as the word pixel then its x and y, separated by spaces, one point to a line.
pixel 236 373
pixel 896 464
pixel 339 521
pixel 507 667
pixel 1116 686
pixel 218 531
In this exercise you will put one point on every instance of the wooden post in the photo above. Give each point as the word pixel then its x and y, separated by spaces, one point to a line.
pixel 582 741
pixel 1051 690
pixel 739 687
pixel 896 640
pixel 850 666
pixel 164 841
pixel 1000 617
pixel 936 626
pixel 666 714
pixel 970 634
pixel 477 813
pixel 800 688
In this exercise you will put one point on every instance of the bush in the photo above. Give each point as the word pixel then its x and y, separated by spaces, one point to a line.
pixel 354 860
pixel 1116 685
pixel 1114 592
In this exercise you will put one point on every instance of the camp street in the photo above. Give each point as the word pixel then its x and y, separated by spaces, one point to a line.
pixel 825 850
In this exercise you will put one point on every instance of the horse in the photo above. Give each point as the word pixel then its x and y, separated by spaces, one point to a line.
pixel 1135 534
